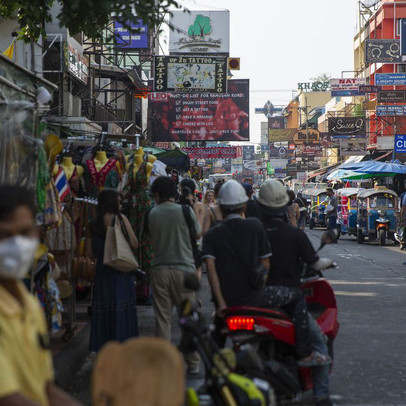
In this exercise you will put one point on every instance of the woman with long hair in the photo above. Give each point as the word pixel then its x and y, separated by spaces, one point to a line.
pixel 114 312
pixel 209 200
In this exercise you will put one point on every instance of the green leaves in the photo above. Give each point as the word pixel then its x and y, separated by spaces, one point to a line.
pixel 87 16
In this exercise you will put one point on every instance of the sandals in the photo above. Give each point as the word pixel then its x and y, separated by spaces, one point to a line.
pixel 316 360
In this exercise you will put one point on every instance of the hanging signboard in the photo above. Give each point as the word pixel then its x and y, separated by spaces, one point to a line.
pixel 353 147
pixel 346 86
pixel 400 143
pixel 248 152
pixel 307 150
pixel 279 151
pixel 403 37
pixel 78 65
pixel 202 116
pixel 347 126
pixel 199 32
pixel 369 88
pixel 132 35
pixel 393 96
pixel 291 169
pixel 390 111
pixel 385 143
pixel 390 79
pixel 276 123
pixel 311 135
pixel 286 134
pixel 190 74
pixel 382 51
pixel 217 153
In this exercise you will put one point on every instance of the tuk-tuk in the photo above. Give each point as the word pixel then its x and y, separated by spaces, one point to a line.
pixel 318 204
pixel 377 215
pixel 347 210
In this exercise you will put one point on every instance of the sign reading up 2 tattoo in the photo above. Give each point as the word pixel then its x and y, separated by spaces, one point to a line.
pixel 343 127
pixel 206 74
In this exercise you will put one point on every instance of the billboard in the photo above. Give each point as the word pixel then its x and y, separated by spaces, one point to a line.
pixel 400 143
pixel 276 123
pixel 353 147
pixel 347 126
pixel 309 135
pixel 199 32
pixel 346 86
pixel 248 152
pixel 202 116
pixel 393 96
pixel 390 111
pixel 190 74
pixel 126 38
pixel 390 79
pixel 206 153
pixel 286 134
pixel 382 51
pixel 309 150
pixel 276 150
pixel 77 64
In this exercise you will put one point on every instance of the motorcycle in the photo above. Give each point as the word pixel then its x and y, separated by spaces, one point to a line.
pixel 271 332
pixel 223 386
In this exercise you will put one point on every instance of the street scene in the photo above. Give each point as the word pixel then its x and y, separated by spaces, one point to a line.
pixel 202 204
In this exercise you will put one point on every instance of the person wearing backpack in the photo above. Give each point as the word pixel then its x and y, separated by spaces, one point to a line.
pixel 174 230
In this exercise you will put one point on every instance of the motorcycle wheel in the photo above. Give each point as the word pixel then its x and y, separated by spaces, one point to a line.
pixel 382 237
pixel 360 237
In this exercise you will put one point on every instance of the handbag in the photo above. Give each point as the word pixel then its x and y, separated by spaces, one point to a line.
pixel 117 250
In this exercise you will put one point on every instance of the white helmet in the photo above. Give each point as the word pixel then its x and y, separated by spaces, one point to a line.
pixel 232 194
pixel 273 194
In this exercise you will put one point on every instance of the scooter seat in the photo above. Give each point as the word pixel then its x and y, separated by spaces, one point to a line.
pixel 274 312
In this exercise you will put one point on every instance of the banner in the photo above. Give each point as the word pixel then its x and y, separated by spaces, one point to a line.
pixel 199 32
pixel 391 96
pixel 291 169
pixel 353 147
pixel 382 51
pixel 346 86
pixel 190 74
pixel 248 152
pixel 278 151
pixel 400 143
pixel 311 135
pixel 202 116
pixel 390 111
pixel 347 126
pixel 128 39
pixel 390 79
pixel 370 88
pixel 286 134
pixel 217 153
pixel 308 150
pixel 276 123
pixel 77 63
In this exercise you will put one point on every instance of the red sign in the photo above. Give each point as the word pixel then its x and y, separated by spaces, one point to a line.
pixel 217 152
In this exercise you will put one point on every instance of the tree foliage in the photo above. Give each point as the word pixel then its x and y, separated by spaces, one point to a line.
pixel 87 16
pixel 322 77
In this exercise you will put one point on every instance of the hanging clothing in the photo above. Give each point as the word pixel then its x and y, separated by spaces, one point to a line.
pixel 95 180
pixel 114 312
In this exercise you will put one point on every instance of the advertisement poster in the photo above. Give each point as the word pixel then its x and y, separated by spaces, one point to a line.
pixel 391 96
pixel 78 65
pixel 216 153
pixel 353 147
pixel 282 135
pixel 390 79
pixel 309 150
pixel 199 32
pixel 311 135
pixel 128 39
pixel 276 123
pixel 382 50
pixel 190 74
pixel 202 116
pixel 347 126
pixel 390 111
pixel 248 152
pixel 346 86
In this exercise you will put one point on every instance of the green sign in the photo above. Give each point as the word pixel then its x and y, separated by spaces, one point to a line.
pixel 270 170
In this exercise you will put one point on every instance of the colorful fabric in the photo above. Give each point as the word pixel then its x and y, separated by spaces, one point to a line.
pixel 108 177
pixel 61 183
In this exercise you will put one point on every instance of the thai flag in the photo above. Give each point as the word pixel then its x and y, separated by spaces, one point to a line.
pixel 61 183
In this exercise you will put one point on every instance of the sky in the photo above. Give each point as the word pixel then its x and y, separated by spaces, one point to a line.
pixel 284 42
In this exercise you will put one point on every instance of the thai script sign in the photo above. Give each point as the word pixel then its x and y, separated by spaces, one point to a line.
pixel 346 86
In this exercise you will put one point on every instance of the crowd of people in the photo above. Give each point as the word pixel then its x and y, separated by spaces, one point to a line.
pixel 252 248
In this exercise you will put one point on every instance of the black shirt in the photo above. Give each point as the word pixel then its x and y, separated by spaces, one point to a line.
pixel 236 245
pixel 252 209
pixel 290 248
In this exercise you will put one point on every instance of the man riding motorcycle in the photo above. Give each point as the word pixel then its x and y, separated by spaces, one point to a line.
pixel 291 247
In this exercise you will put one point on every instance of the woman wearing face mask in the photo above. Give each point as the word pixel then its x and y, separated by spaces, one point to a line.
pixel 114 313
pixel 26 373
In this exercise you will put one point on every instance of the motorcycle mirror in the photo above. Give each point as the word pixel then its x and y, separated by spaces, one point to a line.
pixel 329 237
pixel 191 282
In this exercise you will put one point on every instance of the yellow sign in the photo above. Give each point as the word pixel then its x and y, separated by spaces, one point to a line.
pixel 311 135
pixel 285 134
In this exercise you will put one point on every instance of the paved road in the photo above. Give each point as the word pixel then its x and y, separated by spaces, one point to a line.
pixel 370 350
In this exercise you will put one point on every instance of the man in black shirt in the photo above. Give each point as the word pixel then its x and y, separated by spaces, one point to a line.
pixel 232 250
pixel 252 209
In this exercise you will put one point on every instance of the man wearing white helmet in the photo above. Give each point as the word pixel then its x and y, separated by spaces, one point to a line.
pixel 233 249
pixel 291 247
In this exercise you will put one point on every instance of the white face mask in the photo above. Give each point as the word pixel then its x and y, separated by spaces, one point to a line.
pixel 17 256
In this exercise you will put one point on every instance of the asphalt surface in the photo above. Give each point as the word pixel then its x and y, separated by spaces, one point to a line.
pixel 370 350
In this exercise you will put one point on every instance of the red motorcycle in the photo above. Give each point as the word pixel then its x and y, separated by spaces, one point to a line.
pixel 271 333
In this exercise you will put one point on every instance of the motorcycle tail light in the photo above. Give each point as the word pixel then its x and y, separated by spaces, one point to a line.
pixel 240 323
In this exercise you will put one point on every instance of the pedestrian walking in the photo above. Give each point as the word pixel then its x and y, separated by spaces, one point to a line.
pixel 302 202
pixel 114 312
pixel 293 212
pixel 331 209
pixel 173 229
pixel 26 372
pixel 213 215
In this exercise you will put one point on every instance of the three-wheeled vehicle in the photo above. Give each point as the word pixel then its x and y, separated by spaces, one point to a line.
pixel 347 210
pixel 318 204
pixel 377 215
